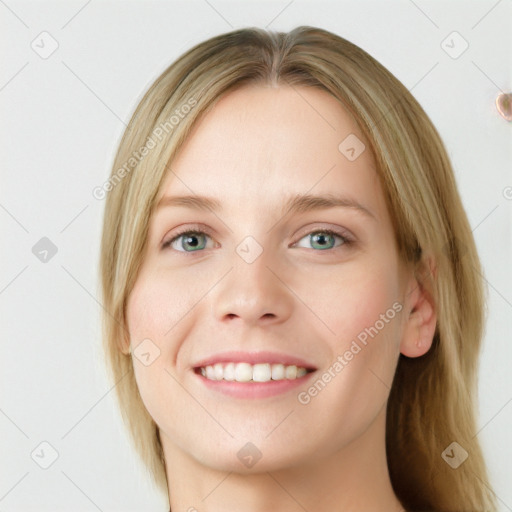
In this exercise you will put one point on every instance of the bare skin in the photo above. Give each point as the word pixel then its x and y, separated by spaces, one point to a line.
pixel 303 296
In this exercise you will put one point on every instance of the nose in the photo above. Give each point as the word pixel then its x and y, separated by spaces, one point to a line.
pixel 254 293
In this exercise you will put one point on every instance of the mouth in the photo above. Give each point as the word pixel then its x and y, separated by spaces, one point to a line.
pixel 258 375
pixel 244 372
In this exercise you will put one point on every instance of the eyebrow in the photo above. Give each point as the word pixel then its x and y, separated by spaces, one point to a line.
pixel 299 203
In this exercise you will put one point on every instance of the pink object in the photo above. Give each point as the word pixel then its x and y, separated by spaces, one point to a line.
pixel 254 389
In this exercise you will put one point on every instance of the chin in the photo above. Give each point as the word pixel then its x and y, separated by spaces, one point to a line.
pixel 246 457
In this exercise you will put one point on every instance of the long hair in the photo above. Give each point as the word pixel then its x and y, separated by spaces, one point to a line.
pixel 432 402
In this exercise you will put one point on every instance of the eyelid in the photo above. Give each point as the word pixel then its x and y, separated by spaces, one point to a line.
pixel 185 228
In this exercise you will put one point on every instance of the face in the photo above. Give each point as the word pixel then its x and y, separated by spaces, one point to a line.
pixel 246 279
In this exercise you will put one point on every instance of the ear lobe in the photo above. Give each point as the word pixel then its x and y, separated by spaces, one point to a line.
pixel 420 327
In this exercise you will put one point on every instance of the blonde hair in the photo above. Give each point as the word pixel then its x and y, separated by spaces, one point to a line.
pixel 432 399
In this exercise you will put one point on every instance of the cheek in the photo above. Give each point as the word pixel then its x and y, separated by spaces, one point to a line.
pixel 156 306
pixel 364 313
pixel 362 309
pixel 358 299
pixel 143 314
pixel 151 312
pixel 158 315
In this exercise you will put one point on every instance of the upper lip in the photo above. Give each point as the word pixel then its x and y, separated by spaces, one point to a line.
pixel 254 358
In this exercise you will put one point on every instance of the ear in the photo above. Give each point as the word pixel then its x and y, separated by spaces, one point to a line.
pixel 420 325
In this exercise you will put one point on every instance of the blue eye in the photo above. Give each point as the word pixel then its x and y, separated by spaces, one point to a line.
pixel 196 240
pixel 324 239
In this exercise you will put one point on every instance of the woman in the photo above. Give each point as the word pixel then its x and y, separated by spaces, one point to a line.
pixel 294 300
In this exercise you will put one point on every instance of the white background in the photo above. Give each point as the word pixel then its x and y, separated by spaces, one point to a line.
pixel 62 118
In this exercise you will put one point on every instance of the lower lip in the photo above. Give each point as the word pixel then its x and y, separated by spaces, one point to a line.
pixel 254 389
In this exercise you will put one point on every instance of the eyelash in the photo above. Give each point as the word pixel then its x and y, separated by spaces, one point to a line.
pixel 346 241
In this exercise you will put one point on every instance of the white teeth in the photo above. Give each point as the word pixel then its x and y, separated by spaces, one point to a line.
pixel 245 372
pixel 261 372
pixel 218 371
pixel 291 372
pixel 229 371
pixel 277 371
pixel 210 373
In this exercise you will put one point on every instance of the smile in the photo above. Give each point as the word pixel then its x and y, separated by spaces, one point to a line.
pixel 246 372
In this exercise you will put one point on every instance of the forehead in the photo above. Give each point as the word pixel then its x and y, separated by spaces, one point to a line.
pixel 259 144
